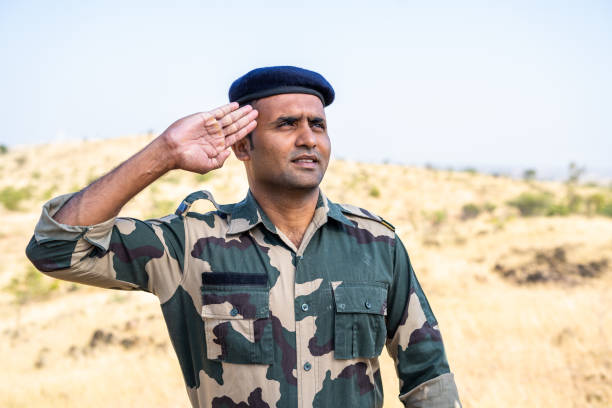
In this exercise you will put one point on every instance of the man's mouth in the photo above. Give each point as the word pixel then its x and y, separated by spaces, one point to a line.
pixel 306 160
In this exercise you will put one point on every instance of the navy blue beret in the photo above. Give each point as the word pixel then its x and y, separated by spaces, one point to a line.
pixel 268 81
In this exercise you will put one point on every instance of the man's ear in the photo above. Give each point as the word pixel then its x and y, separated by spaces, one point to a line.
pixel 242 149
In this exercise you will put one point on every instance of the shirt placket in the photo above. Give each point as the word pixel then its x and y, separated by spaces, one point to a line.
pixel 307 364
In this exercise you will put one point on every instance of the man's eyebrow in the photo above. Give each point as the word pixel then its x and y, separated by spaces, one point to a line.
pixel 288 118
pixel 316 120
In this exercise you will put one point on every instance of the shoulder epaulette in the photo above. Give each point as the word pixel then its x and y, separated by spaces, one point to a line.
pixel 360 212
pixel 191 198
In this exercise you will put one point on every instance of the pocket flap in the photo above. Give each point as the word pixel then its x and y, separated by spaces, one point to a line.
pixel 361 297
pixel 235 302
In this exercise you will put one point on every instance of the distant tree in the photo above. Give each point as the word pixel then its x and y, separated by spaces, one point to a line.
pixel 529 174
pixel 3 149
pixel 573 199
pixel 574 173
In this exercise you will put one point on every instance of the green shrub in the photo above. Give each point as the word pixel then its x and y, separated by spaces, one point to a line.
pixel 530 204
pixel 3 149
pixel 48 193
pixel 203 178
pixel 606 209
pixel 489 207
pixel 469 211
pixel 595 202
pixel 11 197
pixel 21 160
pixel 558 209
pixel 31 286
pixel 438 217
pixel 574 201
pixel 374 192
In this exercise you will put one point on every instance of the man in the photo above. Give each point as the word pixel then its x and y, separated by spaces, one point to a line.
pixel 284 299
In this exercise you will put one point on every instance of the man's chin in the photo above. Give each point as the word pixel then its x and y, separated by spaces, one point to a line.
pixel 305 184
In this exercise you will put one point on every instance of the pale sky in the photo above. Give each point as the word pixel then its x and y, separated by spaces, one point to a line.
pixel 516 84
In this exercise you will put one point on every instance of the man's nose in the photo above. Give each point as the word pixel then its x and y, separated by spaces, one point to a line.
pixel 306 137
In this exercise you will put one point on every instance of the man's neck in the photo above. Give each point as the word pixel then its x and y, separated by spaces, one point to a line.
pixel 290 212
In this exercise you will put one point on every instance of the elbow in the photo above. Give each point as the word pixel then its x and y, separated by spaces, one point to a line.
pixel 50 256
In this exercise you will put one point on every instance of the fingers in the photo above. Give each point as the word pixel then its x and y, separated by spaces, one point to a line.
pixel 235 115
pixel 234 137
pixel 240 123
pixel 221 111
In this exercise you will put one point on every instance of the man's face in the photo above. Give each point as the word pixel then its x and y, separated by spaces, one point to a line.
pixel 291 147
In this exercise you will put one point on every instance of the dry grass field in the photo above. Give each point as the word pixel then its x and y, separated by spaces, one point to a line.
pixel 524 303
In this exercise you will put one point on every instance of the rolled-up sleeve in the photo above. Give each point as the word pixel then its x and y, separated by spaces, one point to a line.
pixel 415 343
pixel 119 253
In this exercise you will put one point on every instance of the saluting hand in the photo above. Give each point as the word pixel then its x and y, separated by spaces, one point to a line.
pixel 201 142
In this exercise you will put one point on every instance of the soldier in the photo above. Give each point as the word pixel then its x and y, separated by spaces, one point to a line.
pixel 284 299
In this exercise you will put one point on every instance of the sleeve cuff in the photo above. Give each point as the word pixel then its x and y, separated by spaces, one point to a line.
pixel 439 392
pixel 48 229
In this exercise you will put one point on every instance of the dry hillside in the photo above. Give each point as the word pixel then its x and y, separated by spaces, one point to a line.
pixel 524 303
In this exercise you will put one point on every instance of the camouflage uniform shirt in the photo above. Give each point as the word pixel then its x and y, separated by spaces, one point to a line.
pixel 257 322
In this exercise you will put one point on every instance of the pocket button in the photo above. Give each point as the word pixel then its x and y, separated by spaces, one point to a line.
pixel 368 305
pixel 307 366
pixel 305 307
pixel 233 312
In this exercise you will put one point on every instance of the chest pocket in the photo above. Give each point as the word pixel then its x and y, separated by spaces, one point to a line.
pixel 236 313
pixel 359 325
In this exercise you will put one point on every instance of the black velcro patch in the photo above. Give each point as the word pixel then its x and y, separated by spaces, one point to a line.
pixel 234 278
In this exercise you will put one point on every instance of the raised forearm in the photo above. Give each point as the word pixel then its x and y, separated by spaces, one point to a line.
pixel 198 143
pixel 104 198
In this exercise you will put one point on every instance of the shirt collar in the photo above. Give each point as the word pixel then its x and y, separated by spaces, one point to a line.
pixel 334 210
pixel 247 214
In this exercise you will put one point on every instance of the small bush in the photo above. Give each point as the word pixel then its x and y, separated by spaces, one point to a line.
pixel 574 201
pixel 469 211
pixel 470 170
pixel 489 207
pixel 606 210
pixel 3 149
pixel 438 217
pixel 48 193
pixel 203 178
pixel 31 286
pixel 35 175
pixel 11 197
pixel 558 209
pixel 21 160
pixel 595 202
pixel 374 192
pixel 530 204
